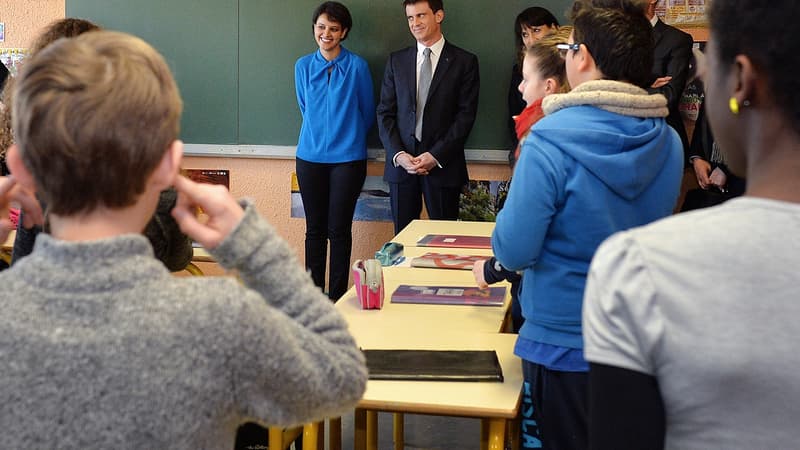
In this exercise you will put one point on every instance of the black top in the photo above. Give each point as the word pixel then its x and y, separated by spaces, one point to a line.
pixel 515 103
pixel 626 411
pixel 3 75
pixel 170 246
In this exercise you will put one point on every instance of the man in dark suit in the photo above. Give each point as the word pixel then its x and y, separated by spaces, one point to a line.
pixel 673 51
pixel 424 134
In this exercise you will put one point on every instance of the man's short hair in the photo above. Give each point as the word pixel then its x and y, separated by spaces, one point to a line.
pixel 93 116
pixel 436 5
pixel 619 37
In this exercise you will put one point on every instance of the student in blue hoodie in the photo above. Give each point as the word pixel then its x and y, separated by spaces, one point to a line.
pixel 335 96
pixel 603 159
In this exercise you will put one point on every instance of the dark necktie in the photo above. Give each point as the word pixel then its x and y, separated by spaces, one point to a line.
pixel 425 75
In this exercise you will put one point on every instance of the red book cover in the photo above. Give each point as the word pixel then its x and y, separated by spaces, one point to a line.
pixel 449 295
pixel 446 261
pixel 455 240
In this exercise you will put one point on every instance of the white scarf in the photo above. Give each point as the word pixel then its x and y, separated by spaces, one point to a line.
pixel 614 96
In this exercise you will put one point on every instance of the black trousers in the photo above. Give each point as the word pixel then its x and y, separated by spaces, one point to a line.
pixel 554 408
pixel 406 199
pixel 329 193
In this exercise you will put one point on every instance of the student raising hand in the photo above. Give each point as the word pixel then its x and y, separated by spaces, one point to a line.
pixel 220 211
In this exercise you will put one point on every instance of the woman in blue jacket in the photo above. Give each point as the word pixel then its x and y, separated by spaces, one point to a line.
pixel 334 93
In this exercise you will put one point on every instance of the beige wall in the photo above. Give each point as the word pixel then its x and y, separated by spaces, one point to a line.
pixel 268 183
pixel 24 18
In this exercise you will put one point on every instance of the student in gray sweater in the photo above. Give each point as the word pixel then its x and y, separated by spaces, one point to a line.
pixel 100 347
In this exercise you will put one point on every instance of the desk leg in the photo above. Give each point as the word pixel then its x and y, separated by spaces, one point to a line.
pixel 360 429
pixel 372 430
pixel 312 434
pixel 493 434
pixel 398 432
pixel 335 433
pixel 276 437
pixel 512 433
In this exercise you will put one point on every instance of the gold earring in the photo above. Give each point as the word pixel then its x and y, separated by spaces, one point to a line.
pixel 733 104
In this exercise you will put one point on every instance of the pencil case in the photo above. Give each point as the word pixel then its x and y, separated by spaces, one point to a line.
pixel 389 253
pixel 368 280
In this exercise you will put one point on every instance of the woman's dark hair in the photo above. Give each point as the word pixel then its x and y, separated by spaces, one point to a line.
pixel 619 38
pixel 336 12
pixel 532 17
pixel 762 31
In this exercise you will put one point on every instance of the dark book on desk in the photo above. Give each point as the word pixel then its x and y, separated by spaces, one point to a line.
pixel 455 240
pixel 449 295
pixel 434 365
pixel 446 261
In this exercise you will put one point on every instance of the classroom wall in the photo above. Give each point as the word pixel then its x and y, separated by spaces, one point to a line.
pixel 268 183
pixel 24 18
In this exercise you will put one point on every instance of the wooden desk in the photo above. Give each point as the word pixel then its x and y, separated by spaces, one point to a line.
pixel 411 252
pixel 201 255
pixel 494 403
pixel 485 319
pixel 409 235
pixel 433 327
pixel 8 246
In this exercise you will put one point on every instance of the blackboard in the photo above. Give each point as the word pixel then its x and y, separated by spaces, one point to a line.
pixel 234 59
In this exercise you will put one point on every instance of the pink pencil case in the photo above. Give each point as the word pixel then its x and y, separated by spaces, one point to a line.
pixel 368 280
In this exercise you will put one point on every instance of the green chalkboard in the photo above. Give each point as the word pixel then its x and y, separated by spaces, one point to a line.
pixel 234 59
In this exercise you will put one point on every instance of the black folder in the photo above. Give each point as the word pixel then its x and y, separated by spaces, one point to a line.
pixel 434 365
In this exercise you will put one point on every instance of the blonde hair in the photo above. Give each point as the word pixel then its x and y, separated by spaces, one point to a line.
pixel 93 116
pixel 550 63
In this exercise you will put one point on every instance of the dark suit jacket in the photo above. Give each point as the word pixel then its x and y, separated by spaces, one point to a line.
pixel 673 52
pixel 3 75
pixel 449 113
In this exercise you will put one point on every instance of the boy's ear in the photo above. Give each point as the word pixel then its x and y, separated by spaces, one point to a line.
pixel 586 66
pixel 585 60
pixel 17 168
pixel 168 168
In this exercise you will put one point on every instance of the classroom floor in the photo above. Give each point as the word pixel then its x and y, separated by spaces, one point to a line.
pixel 421 433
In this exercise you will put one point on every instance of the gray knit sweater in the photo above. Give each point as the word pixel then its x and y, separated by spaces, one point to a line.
pixel 101 348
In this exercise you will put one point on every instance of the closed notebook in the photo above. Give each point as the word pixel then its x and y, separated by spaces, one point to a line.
pixel 446 261
pixel 450 295
pixel 455 241
pixel 434 365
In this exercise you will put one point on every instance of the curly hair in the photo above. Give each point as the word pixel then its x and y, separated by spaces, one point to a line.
pixel 64 28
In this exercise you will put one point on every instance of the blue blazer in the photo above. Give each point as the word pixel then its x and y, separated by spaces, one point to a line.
pixel 450 112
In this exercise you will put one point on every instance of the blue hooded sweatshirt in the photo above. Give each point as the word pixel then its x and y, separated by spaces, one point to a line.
pixel 584 174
